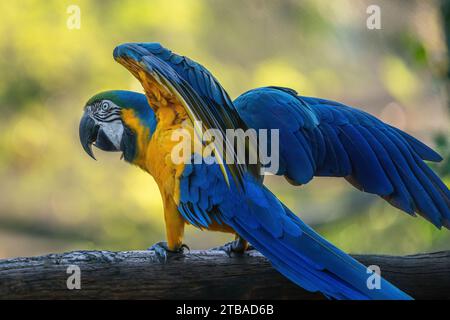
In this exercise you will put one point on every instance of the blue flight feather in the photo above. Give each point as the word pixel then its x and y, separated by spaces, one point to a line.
pixel 320 137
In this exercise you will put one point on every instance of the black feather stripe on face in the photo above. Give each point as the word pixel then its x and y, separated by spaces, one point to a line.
pixel 128 144
pixel 105 111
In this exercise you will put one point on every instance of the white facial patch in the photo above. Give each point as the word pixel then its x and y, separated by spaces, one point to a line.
pixel 114 132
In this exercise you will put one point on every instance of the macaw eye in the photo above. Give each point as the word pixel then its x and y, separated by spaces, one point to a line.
pixel 105 106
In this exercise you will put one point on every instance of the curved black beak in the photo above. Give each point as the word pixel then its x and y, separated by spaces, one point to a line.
pixel 92 132
pixel 88 133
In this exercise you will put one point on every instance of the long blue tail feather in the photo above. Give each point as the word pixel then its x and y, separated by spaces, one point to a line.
pixel 308 259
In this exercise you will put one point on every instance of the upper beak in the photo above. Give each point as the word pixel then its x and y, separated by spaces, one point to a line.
pixel 88 133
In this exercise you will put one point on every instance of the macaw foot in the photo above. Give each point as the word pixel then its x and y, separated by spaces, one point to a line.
pixel 238 246
pixel 162 250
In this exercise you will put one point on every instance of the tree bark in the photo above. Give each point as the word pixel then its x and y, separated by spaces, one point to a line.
pixel 196 275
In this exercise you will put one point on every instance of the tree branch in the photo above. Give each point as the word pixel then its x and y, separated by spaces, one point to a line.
pixel 196 275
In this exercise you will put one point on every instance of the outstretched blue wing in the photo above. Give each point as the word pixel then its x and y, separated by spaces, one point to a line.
pixel 325 138
pixel 202 96
pixel 293 248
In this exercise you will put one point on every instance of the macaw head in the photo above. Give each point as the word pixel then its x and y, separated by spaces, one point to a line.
pixel 120 121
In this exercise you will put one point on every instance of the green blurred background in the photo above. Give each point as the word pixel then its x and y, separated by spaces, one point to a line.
pixel 54 198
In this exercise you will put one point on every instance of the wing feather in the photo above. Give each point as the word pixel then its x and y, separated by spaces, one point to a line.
pixel 167 77
pixel 326 138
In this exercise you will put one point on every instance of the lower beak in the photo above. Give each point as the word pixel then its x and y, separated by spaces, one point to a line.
pixel 88 133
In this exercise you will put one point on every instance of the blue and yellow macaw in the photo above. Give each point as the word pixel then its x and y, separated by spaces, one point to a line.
pixel 317 138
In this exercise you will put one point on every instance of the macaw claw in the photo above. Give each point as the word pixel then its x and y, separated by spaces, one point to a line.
pixel 238 246
pixel 162 250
